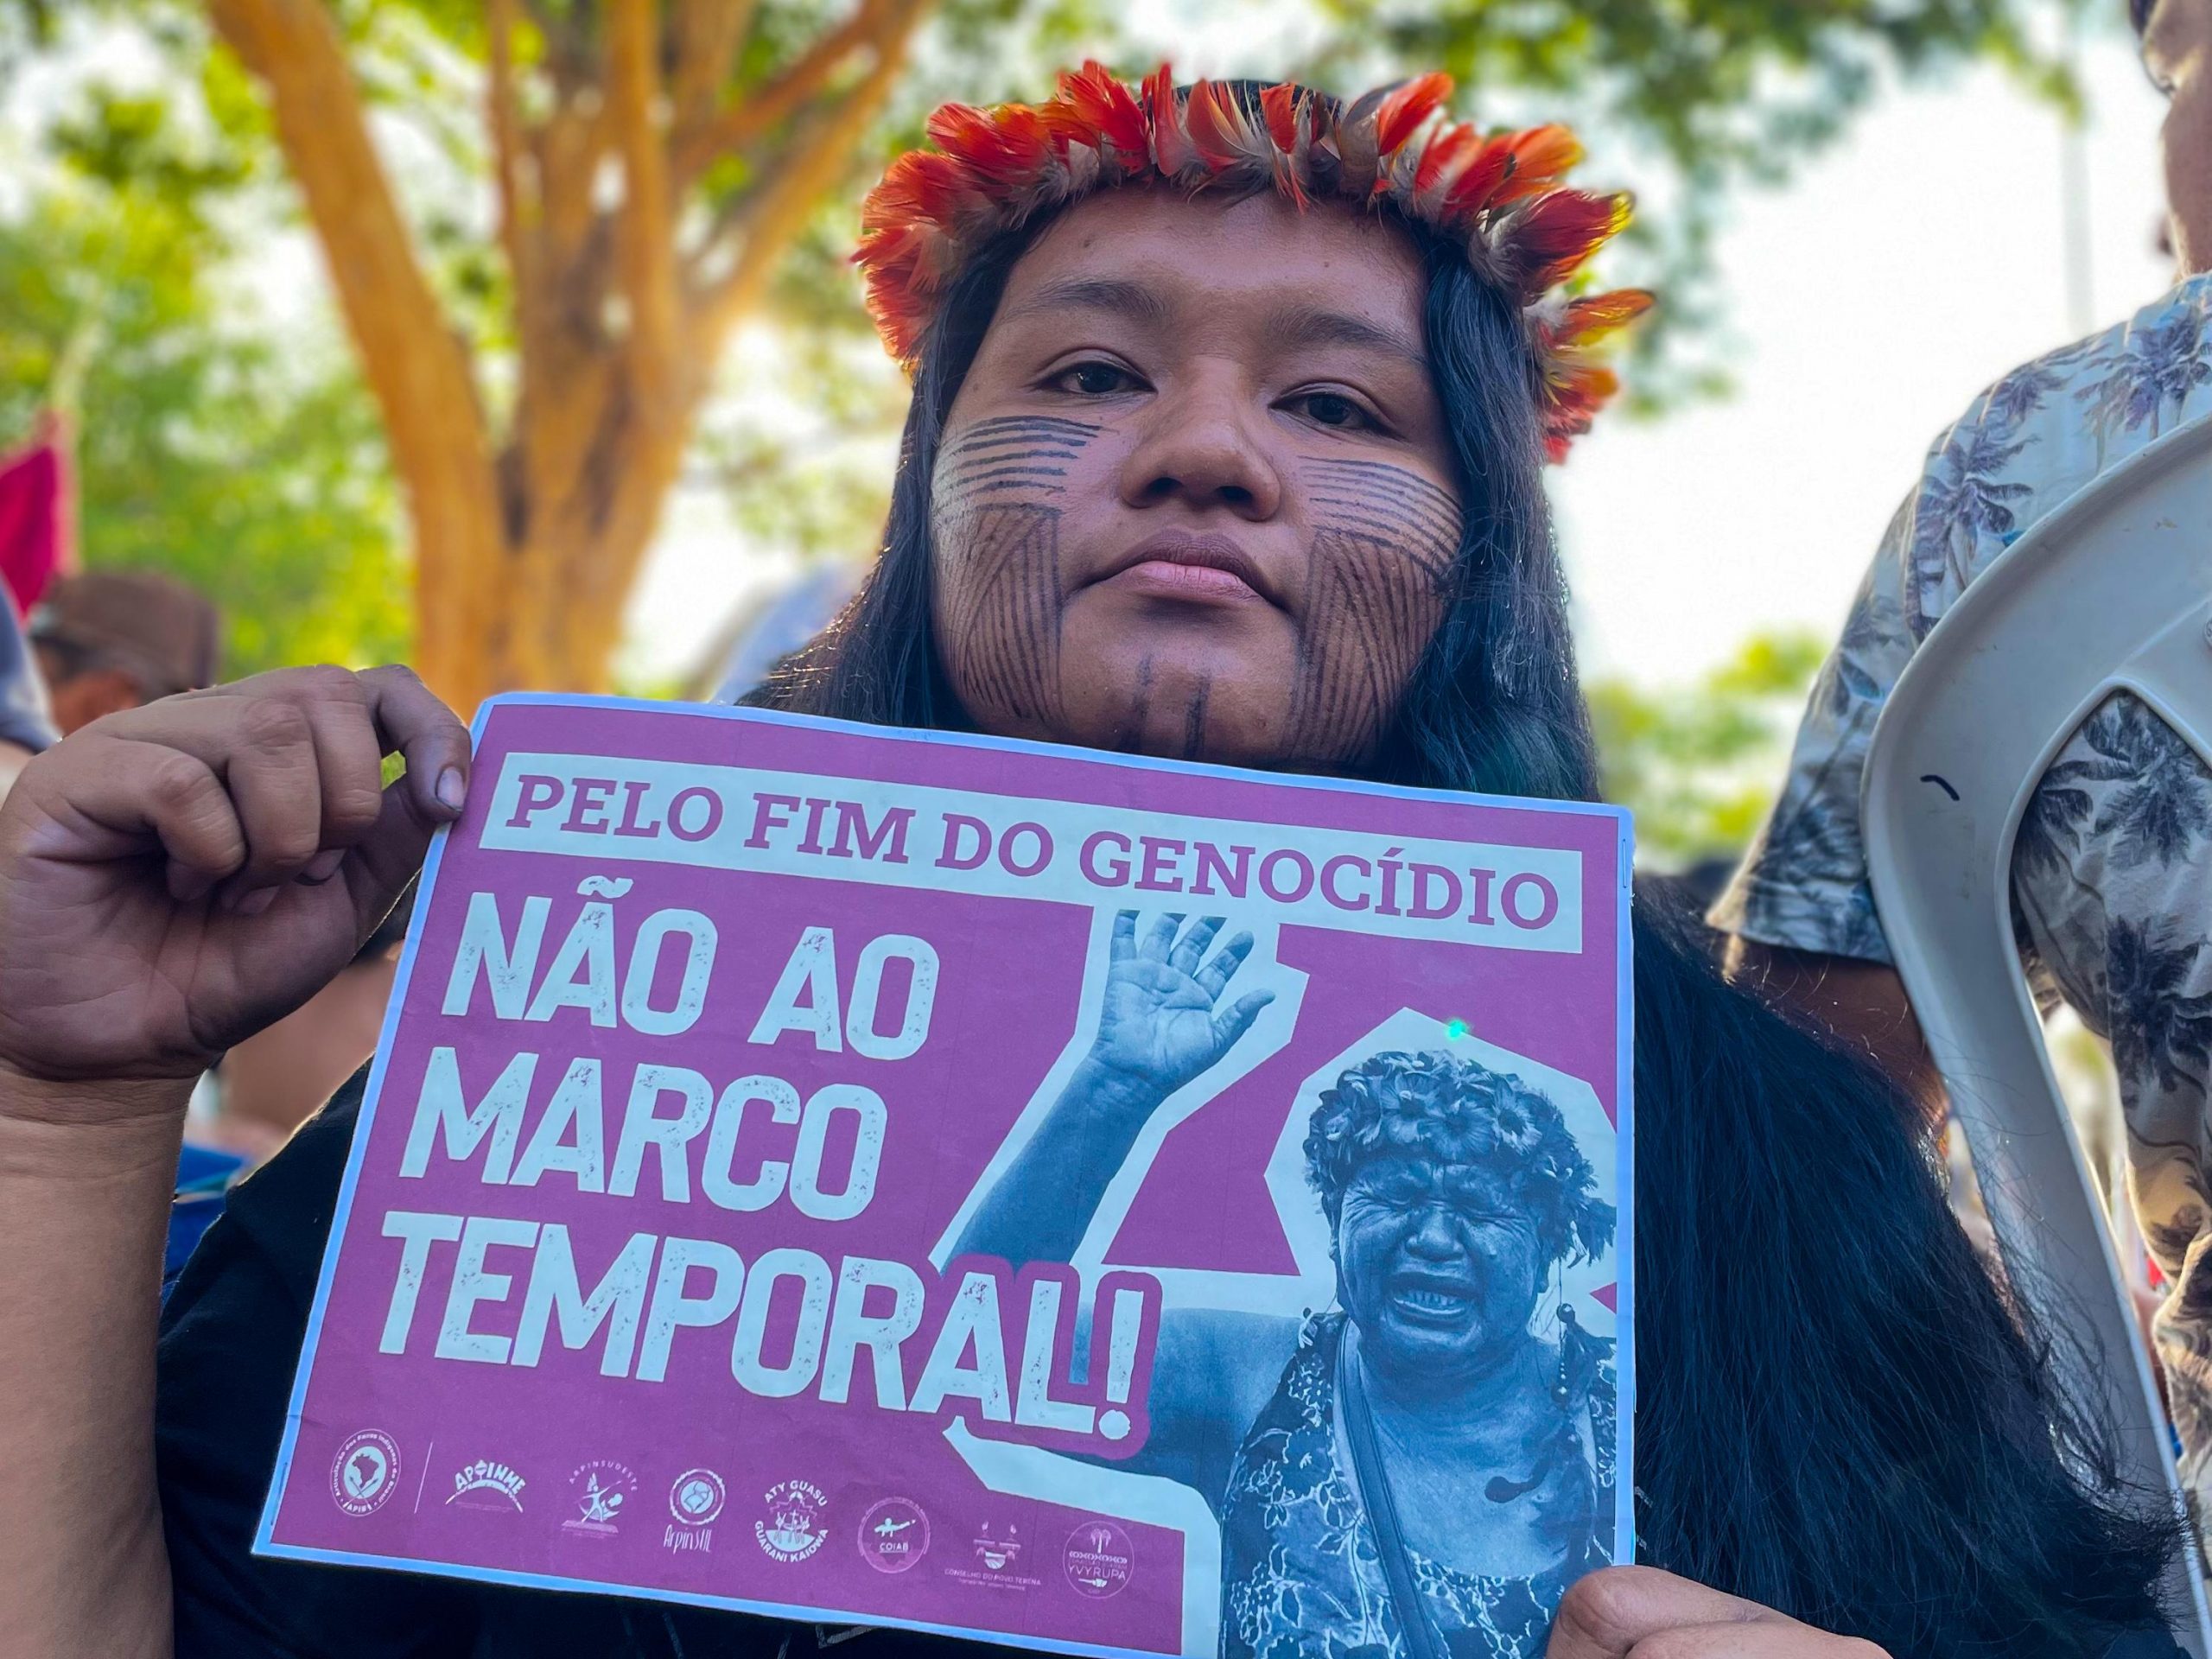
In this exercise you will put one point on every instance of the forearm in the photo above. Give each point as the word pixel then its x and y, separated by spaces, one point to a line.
pixel 86 1174
pixel 1862 1005
pixel 1042 1205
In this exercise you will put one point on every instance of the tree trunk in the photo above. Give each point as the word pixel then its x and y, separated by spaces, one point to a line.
pixel 526 550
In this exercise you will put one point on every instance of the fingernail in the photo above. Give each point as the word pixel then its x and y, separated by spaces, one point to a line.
pixel 257 901
pixel 323 866
pixel 451 792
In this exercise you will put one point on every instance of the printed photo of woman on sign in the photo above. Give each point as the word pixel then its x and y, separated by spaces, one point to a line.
pixel 1440 1437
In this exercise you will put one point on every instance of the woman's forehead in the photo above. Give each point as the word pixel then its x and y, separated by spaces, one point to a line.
pixel 1422 1165
pixel 1172 261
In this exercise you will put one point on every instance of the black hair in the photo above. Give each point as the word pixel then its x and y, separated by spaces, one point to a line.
pixel 1838 1415
pixel 1459 1111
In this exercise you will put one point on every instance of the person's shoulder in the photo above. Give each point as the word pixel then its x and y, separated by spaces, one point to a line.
pixel 2040 433
pixel 2062 384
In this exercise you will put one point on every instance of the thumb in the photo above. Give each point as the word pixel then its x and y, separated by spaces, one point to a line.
pixel 1605 1615
pixel 1232 1022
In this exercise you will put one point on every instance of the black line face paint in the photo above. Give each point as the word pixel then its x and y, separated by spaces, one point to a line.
pixel 1194 723
pixel 1377 577
pixel 1000 593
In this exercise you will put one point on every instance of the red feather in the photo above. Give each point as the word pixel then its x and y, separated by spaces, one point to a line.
pixel 1209 124
pixel 1443 160
pixel 1541 156
pixel 1226 137
pixel 1407 107
pixel 1008 146
pixel 1171 147
pixel 1094 105
pixel 1557 233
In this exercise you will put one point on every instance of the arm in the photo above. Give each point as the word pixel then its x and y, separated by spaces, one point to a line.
pixel 1158 1027
pixel 1800 909
pixel 84 1183
pixel 171 880
pixel 1862 1005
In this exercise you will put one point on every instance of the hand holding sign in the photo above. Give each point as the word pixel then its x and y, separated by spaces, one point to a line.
pixel 174 878
pixel 1638 1612
pixel 1160 1023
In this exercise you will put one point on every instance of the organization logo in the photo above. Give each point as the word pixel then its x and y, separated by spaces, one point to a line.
pixel 484 1484
pixel 995 1560
pixel 694 1499
pixel 792 1530
pixel 1099 1558
pixel 894 1535
pixel 364 1473
pixel 598 1491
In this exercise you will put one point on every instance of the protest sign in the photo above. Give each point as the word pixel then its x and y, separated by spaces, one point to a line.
pixel 890 1178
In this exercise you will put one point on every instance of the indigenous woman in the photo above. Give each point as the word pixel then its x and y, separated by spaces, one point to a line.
pixel 1229 408
pixel 1418 1455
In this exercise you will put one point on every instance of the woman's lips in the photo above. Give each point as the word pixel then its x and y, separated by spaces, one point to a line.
pixel 1206 568
pixel 1432 1303
pixel 1169 579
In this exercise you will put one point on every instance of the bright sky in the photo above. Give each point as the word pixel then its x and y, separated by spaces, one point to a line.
pixel 1894 279
pixel 1875 297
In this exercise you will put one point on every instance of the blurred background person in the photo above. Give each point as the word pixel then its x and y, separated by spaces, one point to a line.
pixel 25 725
pixel 113 639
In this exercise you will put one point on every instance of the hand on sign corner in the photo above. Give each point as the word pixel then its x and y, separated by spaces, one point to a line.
pixel 174 877
pixel 1639 1612
pixel 1161 1021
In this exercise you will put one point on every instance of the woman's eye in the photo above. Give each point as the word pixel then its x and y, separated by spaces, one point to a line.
pixel 1093 379
pixel 1332 408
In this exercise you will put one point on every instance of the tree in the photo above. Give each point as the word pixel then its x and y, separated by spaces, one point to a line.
pixel 1698 765
pixel 249 465
pixel 652 163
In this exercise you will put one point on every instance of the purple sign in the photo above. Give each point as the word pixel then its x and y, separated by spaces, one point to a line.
pixel 888 1178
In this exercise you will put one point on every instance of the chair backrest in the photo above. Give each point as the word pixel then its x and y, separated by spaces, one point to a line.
pixel 2113 591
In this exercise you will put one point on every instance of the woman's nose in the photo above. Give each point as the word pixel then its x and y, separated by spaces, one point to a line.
pixel 1203 447
pixel 1434 1235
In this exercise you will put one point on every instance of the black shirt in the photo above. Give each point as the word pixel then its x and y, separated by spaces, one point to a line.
pixel 230 1340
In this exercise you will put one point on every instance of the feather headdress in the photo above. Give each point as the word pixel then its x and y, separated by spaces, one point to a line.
pixel 1500 195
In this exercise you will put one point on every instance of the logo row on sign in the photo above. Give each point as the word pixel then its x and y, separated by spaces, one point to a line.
pixel 793 1522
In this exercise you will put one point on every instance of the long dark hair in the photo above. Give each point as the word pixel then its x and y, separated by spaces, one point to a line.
pixel 1838 1415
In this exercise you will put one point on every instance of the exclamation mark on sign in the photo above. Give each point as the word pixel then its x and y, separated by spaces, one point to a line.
pixel 1121 1363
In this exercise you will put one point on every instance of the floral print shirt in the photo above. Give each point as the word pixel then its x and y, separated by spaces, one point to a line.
pixel 2112 875
pixel 1302 1576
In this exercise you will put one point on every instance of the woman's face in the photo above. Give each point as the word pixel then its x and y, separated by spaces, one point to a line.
pixel 1439 1267
pixel 1195 497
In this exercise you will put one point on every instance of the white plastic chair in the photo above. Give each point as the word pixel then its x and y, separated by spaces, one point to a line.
pixel 2112 592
